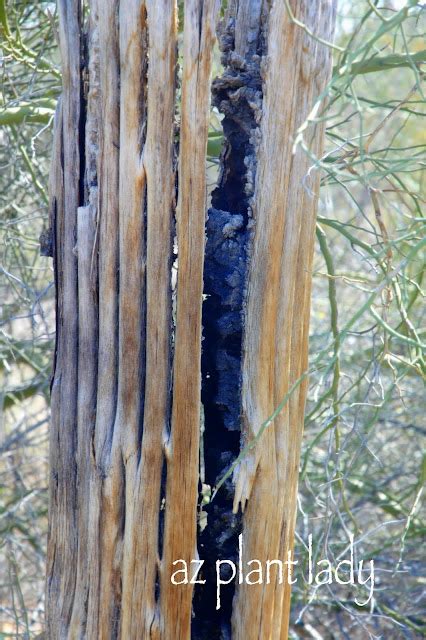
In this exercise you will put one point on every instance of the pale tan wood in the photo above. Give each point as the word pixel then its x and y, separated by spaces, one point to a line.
pixel 107 229
pixel 86 411
pixel 183 449
pixel 133 60
pixel 155 171
pixel 318 74
pixel 105 510
pixel 276 355
pixel 109 568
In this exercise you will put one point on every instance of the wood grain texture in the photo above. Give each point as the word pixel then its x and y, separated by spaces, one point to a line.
pixel 284 208
pixel 87 217
pixel 56 209
pixel 183 448
pixel 63 529
pixel 86 401
pixel 124 452
pixel 154 162
pixel 106 484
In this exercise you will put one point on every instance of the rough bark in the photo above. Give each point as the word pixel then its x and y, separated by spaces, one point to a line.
pixel 126 390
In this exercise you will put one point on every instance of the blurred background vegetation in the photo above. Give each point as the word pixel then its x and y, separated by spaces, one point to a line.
pixel 363 464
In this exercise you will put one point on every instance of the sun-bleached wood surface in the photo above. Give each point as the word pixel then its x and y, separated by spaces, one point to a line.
pixel 125 428
pixel 278 302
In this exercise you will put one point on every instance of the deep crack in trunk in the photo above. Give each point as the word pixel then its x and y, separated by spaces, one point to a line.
pixel 238 96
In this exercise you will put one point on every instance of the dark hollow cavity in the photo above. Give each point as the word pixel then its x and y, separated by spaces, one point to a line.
pixel 238 96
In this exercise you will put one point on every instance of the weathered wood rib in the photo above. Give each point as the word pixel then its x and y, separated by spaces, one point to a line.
pixel 316 70
pixel 133 105
pixel 63 533
pixel 108 159
pixel 155 172
pixel 180 527
pixel 87 376
pixel 274 358
pixel 300 208
pixel 88 328
pixel 56 214
pixel 106 482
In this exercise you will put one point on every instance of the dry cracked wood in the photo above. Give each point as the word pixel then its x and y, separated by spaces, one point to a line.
pixel 63 528
pixel 278 301
pixel 180 527
pixel 125 429
pixel 111 398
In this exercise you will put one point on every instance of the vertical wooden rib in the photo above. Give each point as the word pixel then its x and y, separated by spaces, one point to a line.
pixel 88 328
pixel 133 60
pixel 105 510
pixel 278 303
pixel 109 141
pixel 183 450
pixel 56 205
pixel 132 227
pixel 63 534
pixel 316 70
pixel 87 373
pixel 155 173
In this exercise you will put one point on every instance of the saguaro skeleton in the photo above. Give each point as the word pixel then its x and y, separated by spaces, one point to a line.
pixel 127 191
